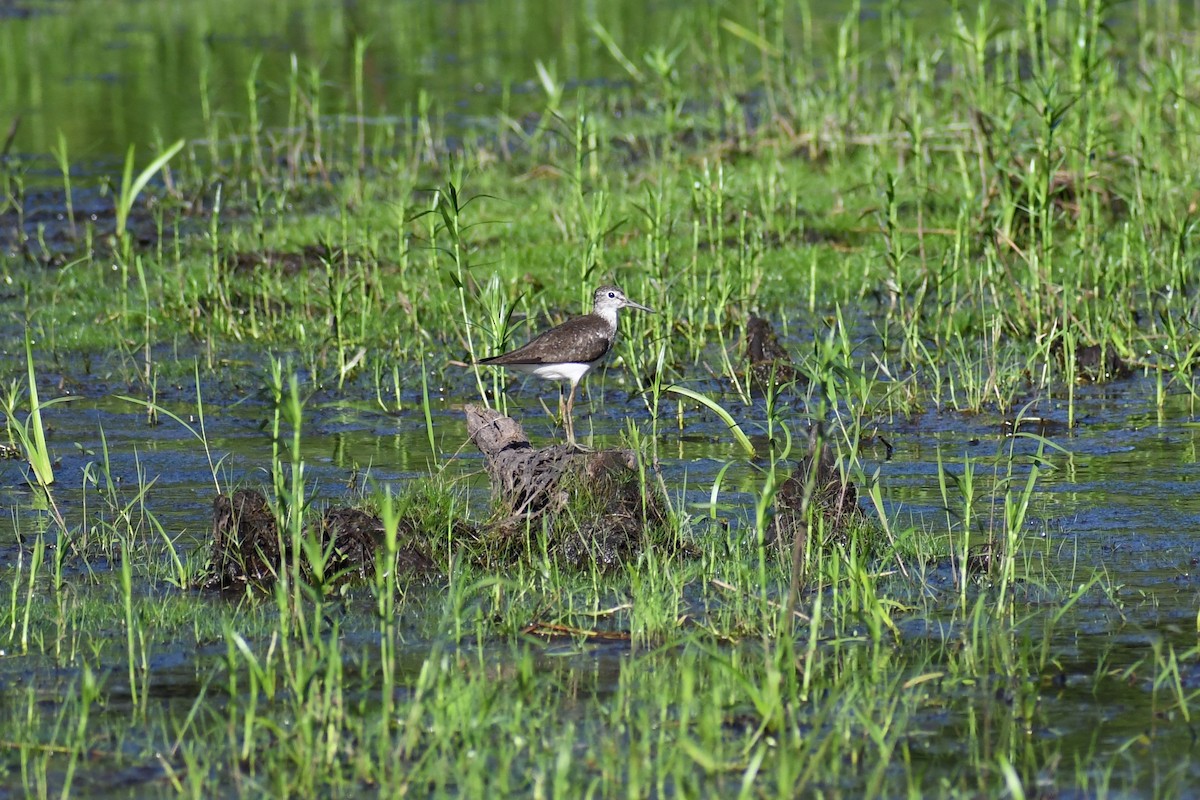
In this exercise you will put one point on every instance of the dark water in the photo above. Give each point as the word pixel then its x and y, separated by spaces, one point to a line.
pixel 109 74
pixel 1122 495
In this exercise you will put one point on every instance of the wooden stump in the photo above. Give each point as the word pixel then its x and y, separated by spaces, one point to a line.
pixel 532 487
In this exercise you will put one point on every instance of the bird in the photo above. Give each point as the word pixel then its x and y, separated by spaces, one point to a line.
pixel 570 350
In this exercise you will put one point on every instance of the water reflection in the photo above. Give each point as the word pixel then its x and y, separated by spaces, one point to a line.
pixel 110 74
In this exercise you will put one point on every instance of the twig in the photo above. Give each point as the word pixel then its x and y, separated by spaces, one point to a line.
pixel 720 584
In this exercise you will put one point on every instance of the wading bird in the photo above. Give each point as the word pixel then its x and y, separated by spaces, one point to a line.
pixel 569 351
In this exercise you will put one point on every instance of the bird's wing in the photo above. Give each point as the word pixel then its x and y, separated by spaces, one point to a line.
pixel 581 337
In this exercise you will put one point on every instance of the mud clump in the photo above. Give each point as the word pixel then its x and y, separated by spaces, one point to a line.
pixel 247 548
pixel 1094 363
pixel 769 363
pixel 590 504
pixel 245 541
pixel 816 487
pixel 357 536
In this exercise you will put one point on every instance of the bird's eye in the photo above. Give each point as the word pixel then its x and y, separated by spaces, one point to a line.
pixel 612 295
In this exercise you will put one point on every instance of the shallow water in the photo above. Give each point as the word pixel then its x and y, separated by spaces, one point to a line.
pixel 1122 499
pixel 110 74
pixel 1123 495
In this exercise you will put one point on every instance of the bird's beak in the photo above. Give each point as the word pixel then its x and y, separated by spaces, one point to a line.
pixel 630 304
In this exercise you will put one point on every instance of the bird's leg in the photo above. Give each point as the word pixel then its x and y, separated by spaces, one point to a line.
pixel 568 422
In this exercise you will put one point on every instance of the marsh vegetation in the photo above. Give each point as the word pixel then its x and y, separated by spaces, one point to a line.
pixel 913 430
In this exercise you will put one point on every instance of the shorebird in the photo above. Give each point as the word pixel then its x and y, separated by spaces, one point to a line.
pixel 569 351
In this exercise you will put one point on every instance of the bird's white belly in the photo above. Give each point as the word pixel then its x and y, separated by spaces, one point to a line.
pixel 553 372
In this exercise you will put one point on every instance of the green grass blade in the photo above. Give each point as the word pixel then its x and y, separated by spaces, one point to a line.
pixel 131 187
pixel 720 411
pixel 35 447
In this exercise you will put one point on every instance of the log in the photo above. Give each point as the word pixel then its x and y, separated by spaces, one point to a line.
pixel 529 481
pixel 612 519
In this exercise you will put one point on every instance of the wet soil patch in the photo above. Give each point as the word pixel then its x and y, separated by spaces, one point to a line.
pixel 813 233
pixel 39 226
pixel 293 262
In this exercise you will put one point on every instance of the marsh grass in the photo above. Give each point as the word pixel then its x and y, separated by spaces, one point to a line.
pixel 937 219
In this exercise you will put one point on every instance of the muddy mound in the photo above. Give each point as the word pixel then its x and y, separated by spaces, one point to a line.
pixel 247 547
pixel 769 363
pixel 815 495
